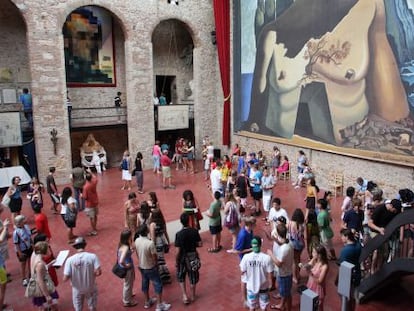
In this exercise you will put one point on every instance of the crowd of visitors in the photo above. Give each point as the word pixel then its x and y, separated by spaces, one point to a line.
pixel 244 196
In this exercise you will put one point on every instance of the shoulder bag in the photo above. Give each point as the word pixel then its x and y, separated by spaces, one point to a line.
pixel 6 200
pixel 33 289
pixel 119 270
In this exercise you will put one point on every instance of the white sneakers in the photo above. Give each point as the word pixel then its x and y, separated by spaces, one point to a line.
pixel 163 306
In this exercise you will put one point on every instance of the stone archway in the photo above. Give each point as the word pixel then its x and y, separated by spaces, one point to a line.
pixel 173 74
pixel 14 77
pixel 93 104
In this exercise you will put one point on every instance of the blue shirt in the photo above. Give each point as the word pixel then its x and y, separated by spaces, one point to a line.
pixel 21 238
pixel 351 253
pixel 26 100
pixel 244 241
pixel 163 101
pixel 241 164
pixel 258 178
pixel 363 187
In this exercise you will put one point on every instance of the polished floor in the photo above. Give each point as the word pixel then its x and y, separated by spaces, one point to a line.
pixel 219 287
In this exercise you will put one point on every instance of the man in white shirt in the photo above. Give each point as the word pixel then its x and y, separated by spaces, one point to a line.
pixel 82 269
pixel 215 179
pixel 257 268
pixel 284 261
pixel 267 187
pixel 276 211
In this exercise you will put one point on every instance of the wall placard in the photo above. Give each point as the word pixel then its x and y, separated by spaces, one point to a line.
pixel 10 130
pixel 173 117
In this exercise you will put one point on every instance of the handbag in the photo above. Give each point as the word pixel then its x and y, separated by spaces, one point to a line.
pixel 33 289
pixel 6 200
pixel 119 270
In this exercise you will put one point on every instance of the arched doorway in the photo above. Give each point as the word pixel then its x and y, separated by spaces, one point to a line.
pixel 17 147
pixel 173 75
pixel 94 51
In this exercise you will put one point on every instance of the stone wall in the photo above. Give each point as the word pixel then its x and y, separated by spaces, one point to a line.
pixel 43 43
pixel 389 177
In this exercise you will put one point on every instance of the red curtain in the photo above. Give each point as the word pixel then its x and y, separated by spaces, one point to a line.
pixel 222 20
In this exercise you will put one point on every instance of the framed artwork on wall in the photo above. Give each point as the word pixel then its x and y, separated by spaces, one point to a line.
pixel 89 48
pixel 335 76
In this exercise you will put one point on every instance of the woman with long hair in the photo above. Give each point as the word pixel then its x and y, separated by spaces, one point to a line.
pixel 15 194
pixel 317 269
pixel 190 207
pixel 153 201
pixel 296 229
pixel 311 195
pixel 139 172
pixel 312 232
pixel 38 267
pixel 69 212
pixel 231 207
pixel 159 235
pixel 34 193
pixel 126 166
pixel 124 259
pixel 131 209
pixel 144 214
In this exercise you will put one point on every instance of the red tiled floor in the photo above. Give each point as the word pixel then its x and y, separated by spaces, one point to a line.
pixel 219 287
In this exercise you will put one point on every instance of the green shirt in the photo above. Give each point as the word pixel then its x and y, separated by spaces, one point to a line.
pixel 214 210
pixel 324 224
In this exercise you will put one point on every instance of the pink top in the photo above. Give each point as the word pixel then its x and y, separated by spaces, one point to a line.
pixel 156 150
pixel 313 283
pixel 284 167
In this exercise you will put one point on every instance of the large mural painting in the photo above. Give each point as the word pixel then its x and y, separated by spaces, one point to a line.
pixel 336 75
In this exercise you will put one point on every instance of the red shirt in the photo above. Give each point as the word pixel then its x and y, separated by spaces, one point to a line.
pixel 165 160
pixel 89 192
pixel 42 225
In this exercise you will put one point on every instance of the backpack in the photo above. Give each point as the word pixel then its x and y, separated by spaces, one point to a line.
pixel 232 219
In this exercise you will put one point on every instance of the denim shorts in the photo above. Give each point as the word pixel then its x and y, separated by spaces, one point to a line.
pixel 153 276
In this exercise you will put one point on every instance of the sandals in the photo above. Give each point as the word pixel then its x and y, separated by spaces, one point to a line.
pixel 130 304
pixel 213 250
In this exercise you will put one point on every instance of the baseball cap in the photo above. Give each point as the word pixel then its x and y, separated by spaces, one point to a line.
pixel 80 241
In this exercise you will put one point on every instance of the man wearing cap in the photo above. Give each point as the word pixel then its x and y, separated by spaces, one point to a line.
pixel 257 268
pixel 82 270
pixel 243 246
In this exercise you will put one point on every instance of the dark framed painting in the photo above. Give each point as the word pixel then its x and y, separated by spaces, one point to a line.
pixel 89 48
pixel 332 75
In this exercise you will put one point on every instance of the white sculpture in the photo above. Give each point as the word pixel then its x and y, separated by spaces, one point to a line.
pixel 93 154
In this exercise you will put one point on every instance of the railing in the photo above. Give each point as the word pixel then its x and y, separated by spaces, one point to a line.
pixel 96 116
pixel 386 257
